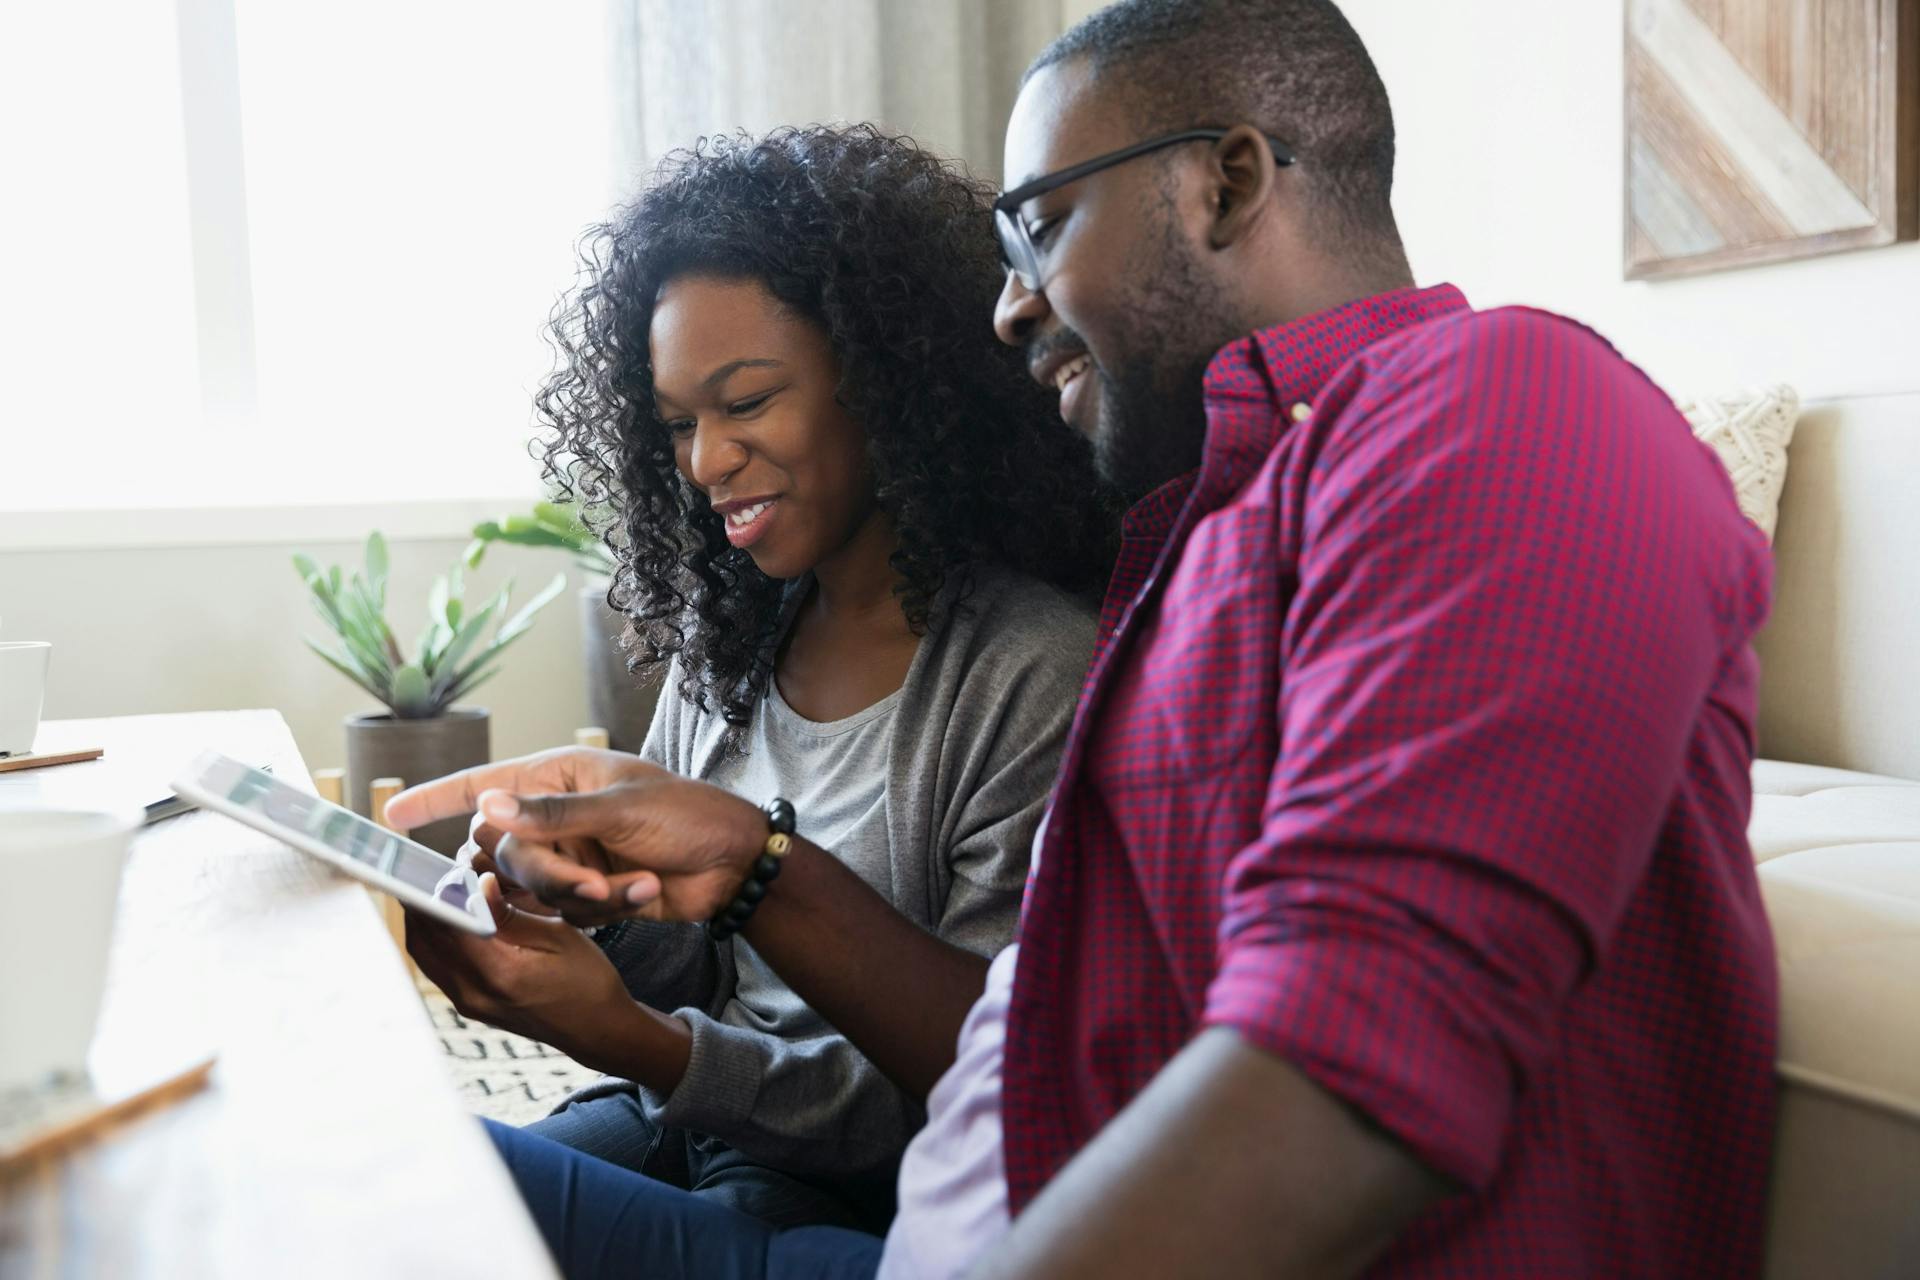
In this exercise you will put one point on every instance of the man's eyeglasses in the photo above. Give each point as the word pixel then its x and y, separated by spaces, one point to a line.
pixel 1016 242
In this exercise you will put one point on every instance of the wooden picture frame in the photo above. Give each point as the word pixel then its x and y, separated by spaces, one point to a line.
pixel 1762 130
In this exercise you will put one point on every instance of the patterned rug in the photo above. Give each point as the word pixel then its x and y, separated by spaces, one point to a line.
pixel 500 1075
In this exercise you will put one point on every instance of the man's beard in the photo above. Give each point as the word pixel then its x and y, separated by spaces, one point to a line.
pixel 1153 422
pixel 1152 427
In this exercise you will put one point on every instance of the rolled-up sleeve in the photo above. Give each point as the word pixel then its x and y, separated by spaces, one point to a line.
pixel 1512 607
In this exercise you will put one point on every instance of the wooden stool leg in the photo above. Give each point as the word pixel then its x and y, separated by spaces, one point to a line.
pixel 331 785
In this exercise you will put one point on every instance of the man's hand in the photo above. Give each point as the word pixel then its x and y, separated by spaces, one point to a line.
pixel 600 835
pixel 542 978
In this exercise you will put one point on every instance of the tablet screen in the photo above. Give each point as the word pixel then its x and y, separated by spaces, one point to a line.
pixel 343 831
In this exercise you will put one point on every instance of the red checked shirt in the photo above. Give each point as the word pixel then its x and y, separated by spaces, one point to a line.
pixel 1416 752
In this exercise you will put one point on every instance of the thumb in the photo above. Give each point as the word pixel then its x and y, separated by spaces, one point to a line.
pixel 509 922
pixel 496 900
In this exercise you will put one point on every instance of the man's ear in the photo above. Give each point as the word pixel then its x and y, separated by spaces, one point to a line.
pixel 1243 174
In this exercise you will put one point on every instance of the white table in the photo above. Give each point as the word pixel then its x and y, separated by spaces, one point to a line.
pixel 331 1142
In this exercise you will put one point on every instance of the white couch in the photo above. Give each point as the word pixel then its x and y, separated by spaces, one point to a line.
pixel 1837 839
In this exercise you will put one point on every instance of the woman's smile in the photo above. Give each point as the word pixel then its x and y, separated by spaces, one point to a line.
pixel 747 521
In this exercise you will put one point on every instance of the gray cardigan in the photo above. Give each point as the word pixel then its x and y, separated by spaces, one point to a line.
pixel 977 736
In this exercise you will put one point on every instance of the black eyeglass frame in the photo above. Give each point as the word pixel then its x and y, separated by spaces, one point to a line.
pixel 1017 248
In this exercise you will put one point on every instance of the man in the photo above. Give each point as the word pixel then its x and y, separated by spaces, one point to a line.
pixel 1394 912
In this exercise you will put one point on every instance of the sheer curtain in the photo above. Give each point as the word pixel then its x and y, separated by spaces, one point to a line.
pixel 944 71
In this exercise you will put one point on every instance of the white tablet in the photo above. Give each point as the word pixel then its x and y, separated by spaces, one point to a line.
pixel 419 877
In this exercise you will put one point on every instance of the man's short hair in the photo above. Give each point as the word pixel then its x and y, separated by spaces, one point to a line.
pixel 1295 68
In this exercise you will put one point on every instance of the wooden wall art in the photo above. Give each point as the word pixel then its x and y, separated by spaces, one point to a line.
pixel 1759 130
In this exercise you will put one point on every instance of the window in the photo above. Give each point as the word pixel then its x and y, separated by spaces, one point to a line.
pixel 257 253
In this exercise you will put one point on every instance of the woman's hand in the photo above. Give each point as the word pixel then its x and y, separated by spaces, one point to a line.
pixel 540 977
pixel 477 853
pixel 599 835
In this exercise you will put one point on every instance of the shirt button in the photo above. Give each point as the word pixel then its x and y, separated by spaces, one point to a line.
pixel 1301 412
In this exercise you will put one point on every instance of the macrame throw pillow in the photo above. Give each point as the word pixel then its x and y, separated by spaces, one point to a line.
pixel 1749 430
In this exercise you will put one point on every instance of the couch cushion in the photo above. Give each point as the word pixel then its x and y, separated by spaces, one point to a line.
pixel 1839 858
pixel 1785 778
pixel 1870 813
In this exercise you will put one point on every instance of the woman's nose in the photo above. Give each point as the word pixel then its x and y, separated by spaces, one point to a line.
pixel 714 455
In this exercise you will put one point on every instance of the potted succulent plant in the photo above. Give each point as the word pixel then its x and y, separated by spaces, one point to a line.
pixel 621 702
pixel 422 734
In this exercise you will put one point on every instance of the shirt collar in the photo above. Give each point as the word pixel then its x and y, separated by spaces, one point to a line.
pixel 1286 366
pixel 1278 372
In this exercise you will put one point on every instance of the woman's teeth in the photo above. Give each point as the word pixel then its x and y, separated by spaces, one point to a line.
pixel 747 515
pixel 1070 370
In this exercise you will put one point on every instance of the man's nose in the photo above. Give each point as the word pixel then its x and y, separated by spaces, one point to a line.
pixel 1018 310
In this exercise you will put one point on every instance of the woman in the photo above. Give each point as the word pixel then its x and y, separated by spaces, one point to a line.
pixel 864 540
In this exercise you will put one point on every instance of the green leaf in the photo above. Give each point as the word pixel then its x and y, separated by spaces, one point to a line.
pixel 321 592
pixel 525 531
pixel 445 604
pixel 463 640
pixel 432 642
pixel 519 622
pixel 370 618
pixel 366 654
pixel 412 693
pixel 324 602
pixel 561 517
pixel 468 683
pixel 340 663
pixel 476 552
pixel 437 597
pixel 377 561
pixel 344 617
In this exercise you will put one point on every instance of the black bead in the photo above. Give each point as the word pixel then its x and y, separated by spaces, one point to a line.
pixel 780 815
pixel 766 867
pixel 719 930
pixel 738 912
pixel 753 890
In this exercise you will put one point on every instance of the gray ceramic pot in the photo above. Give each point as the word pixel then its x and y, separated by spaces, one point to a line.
pixel 379 746
pixel 620 703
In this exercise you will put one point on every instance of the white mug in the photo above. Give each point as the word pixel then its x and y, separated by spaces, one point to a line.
pixel 61 869
pixel 23 688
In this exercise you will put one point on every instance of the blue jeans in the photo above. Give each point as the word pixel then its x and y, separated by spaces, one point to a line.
pixel 601 1220
pixel 612 1125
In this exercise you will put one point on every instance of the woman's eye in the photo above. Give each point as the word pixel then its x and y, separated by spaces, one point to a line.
pixel 741 407
pixel 1039 229
pixel 680 426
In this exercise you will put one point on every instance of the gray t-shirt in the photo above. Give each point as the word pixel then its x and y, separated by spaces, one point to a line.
pixel 971 743
pixel 835 773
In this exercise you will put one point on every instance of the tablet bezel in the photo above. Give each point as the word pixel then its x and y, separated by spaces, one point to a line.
pixel 190 786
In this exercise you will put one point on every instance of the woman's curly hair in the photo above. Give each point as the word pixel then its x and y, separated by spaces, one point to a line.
pixel 890 250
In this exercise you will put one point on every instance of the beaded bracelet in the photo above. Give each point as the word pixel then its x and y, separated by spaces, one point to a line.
pixel 765 868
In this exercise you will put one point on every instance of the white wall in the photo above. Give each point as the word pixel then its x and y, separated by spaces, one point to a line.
pixel 1510 185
